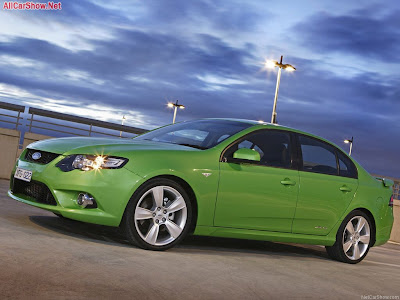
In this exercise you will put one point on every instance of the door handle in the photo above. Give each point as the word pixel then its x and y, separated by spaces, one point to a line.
pixel 287 181
pixel 345 189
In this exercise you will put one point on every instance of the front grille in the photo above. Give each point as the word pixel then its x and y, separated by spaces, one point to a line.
pixel 34 189
pixel 45 157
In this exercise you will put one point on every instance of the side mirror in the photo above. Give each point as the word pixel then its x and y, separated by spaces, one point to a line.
pixel 247 154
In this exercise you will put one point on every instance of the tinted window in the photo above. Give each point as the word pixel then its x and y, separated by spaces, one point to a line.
pixel 346 166
pixel 318 156
pixel 201 134
pixel 274 147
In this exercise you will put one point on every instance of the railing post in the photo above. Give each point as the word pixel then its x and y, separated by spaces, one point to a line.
pixel 18 117
pixel 30 123
pixel 90 130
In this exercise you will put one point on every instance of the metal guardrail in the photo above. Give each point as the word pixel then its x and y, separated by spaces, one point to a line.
pixel 39 120
pixel 11 119
pixel 91 123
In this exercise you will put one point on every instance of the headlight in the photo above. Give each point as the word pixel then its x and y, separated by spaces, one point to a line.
pixel 91 162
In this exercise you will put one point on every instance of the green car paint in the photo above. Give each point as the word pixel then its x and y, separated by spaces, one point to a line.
pixel 251 197
pixel 231 199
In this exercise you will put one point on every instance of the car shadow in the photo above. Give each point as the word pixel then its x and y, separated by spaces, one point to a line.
pixel 87 231
pixel 191 244
pixel 230 246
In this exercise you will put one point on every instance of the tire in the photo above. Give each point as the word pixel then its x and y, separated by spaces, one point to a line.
pixel 158 215
pixel 353 239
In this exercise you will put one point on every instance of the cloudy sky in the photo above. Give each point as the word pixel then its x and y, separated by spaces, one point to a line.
pixel 104 59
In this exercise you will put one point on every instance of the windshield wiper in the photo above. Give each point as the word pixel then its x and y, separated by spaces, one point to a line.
pixel 193 146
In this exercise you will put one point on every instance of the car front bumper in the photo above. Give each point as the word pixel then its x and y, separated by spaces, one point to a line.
pixel 111 189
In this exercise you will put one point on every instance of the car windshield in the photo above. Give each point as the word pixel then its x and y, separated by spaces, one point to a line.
pixel 201 134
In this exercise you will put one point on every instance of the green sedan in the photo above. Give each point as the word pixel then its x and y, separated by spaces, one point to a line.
pixel 214 177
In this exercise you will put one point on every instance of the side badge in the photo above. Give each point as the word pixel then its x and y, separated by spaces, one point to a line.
pixel 206 174
pixel 320 227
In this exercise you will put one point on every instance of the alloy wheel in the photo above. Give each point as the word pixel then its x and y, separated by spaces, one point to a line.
pixel 160 215
pixel 356 238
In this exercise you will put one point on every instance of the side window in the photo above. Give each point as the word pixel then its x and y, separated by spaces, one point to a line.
pixel 346 166
pixel 318 157
pixel 273 145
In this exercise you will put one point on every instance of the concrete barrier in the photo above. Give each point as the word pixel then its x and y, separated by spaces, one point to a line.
pixel 395 236
pixel 9 141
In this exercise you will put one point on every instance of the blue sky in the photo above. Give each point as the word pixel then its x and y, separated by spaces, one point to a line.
pixel 104 59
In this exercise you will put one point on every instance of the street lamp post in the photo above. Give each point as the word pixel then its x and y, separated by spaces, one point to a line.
pixel 175 106
pixel 122 123
pixel 280 65
pixel 351 144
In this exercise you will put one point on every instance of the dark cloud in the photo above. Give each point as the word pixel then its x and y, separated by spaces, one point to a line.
pixel 169 66
pixel 362 34
pixel 132 51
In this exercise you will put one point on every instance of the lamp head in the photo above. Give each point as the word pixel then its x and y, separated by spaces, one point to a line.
pixel 348 141
pixel 270 64
pixel 290 68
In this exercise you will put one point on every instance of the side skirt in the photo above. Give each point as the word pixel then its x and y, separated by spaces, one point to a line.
pixel 260 235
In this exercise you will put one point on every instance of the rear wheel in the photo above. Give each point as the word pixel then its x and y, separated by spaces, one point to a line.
pixel 353 240
pixel 158 216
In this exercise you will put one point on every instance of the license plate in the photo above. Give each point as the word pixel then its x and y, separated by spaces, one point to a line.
pixel 23 174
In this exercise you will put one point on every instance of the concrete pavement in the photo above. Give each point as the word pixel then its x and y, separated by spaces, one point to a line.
pixel 45 257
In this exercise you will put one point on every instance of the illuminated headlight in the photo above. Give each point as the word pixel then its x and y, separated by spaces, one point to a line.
pixel 91 162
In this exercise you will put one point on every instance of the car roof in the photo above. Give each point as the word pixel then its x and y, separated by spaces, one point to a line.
pixel 270 125
pixel 252 122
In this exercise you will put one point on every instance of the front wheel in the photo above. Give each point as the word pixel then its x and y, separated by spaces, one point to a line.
pixel 158 216
pixel 353 240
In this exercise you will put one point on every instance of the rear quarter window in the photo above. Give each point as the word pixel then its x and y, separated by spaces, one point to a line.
pixel 346 166
pixel 318 157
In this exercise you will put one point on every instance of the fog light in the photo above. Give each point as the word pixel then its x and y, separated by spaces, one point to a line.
pixel 86 200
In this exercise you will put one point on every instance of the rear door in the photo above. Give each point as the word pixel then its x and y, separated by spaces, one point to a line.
pixel 328 182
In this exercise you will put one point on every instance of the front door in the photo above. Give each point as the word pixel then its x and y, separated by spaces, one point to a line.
pixel 258 195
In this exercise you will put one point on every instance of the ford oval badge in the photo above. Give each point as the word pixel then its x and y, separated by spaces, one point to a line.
pixel 36 155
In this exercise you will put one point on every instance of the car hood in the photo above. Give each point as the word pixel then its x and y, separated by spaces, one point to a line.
pixel 87 145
